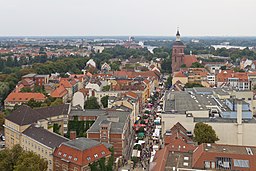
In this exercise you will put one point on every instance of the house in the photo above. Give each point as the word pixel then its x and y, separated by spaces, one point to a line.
pixel 91 63
pixel 179 76
pixel 177 152
pixel 61 93
pixel 41 80
pixel 68 86
pixel 77 154
pixel 236 80
pixel 105 67
pixel 19 98
pixel 94 85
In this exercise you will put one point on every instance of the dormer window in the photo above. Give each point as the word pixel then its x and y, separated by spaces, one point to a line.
pixel 59 153
pixel 103 153
pixel 89 158
pixel 96 155
pixel 75 159
pixel 70 157
pixel 65 155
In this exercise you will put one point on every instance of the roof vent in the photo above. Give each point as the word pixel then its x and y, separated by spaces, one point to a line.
pixel 223 149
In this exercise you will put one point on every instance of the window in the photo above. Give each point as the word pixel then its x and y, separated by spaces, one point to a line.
pixel 75 159
pixel 241 163
pixel 213 165
pixel 64 155
pixel 88 158
pixel 207 164
pixel 70 157
pixel 103 153
pixel 96 155
pixel 59 153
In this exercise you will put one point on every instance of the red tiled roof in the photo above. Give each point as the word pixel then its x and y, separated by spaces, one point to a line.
pixel 225 74
pixel 189 60
pixel 81 156
pixel 65 83
pixel 131 94
pixel 59 92
pixel 179 74
pixel 24 97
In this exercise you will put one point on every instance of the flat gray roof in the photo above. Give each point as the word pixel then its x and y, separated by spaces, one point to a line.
pixel 223 120
pixel 116 127
pixel 102 117
pixel 82 143
pixel 183 101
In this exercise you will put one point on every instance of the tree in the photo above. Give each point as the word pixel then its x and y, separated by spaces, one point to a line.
pixel 236 69
pixel 2 116
pixel 106 88
pixel 204 133
pixel 183 66
pixel 9 158
pixel 197 65
pixel 168 81
pixel 104 101
pixel 57 102
pixel 33 104
pixel 254 87
pixel 30 161
pixel 191 85
pixel 16 159
pixel 25 89
pixel 91 103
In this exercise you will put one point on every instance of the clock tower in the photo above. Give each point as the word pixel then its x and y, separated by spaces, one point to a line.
pixel 177 53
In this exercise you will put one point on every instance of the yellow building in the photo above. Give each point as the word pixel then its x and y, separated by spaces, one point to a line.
pixel 179 76
pixel 41 142
pixel 19 129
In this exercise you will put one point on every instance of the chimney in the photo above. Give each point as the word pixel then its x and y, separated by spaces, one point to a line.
pixel 239 111
pixel 72 135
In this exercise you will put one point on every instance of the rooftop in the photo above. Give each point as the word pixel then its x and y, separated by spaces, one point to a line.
pixel 45 137
pixel 25 115
pixel 230 149
pixel 116 127
pixel 84 143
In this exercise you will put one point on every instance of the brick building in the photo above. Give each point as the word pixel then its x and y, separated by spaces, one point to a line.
pixel 178 56
pixel 76 155
pixel 224 157
pixel 110 126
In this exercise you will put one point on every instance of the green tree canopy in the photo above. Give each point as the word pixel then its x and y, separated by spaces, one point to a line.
pixel 91 103
pixel 191 85
pixel 29 161
pixel 204 133
pixel 106 88
pixel 197 65
pixel 16 159
pixel 104 101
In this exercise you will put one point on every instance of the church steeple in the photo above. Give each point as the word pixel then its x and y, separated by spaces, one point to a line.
pixel 178 35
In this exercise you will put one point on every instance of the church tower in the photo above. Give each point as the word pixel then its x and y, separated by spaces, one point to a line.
pixel 177 53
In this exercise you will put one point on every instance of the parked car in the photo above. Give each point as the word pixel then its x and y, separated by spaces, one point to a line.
pixel 2 138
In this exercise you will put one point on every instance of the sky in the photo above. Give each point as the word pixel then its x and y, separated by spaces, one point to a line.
pixel 127 17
